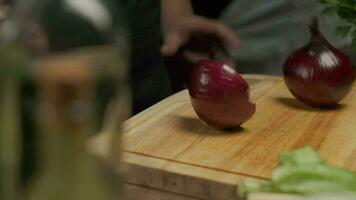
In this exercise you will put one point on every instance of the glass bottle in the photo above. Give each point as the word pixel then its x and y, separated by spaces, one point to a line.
pixel 78 64
pixel 11 59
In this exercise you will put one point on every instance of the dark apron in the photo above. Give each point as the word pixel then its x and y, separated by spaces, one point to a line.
pixel 149 79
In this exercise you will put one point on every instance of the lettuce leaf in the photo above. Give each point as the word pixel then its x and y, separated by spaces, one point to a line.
pixel 303 172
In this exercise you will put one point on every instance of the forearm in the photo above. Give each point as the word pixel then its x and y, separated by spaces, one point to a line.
pixel 173 8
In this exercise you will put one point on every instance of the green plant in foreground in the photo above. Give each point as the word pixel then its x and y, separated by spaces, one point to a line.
pixel 303 172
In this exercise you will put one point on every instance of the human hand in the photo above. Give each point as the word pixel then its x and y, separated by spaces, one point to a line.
pixel 199 38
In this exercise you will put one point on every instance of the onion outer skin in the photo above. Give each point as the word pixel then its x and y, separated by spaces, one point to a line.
pixel 220 96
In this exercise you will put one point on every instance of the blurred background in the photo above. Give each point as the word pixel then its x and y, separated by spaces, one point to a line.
pixel 268 33
pixel 64 78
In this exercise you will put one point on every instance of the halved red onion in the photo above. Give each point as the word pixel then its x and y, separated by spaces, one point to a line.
pixel 219 95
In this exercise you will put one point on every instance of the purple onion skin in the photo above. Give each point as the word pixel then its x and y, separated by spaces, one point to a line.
pixel 219 95
pixel 318 74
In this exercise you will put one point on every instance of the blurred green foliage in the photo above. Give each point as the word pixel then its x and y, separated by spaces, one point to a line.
pixel 346 10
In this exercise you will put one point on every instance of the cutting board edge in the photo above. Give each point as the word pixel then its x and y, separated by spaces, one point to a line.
pixel 185 179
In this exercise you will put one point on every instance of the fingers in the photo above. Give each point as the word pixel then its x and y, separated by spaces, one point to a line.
pixel 230 62
pixel 226 34
pixel 195 57
pixel 181 30
pixel 202 24
pixel 172 42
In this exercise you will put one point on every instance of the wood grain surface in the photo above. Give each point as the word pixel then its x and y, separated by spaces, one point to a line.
pixel 136 192
pixel 169 148
pixel 266 196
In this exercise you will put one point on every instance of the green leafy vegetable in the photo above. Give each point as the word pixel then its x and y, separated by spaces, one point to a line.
pixel 343 30
pixel 346 10
pixel 303 172
pixel 303 156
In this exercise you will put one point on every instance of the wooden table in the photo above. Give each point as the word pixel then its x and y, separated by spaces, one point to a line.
pixel 167 148
pixel 134 192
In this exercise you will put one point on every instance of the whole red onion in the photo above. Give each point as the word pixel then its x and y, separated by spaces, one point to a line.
pixel 219 95
pixel 318 74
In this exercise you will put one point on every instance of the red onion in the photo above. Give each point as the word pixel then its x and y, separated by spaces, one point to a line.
pixel 318 74
pixel 219 95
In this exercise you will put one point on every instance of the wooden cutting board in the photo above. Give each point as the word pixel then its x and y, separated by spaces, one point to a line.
pixel 169 148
